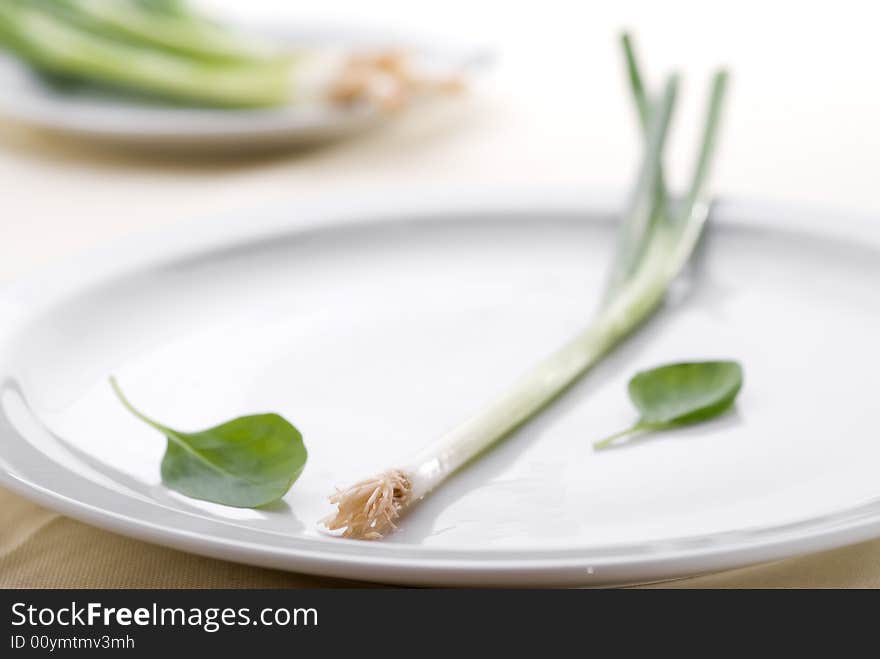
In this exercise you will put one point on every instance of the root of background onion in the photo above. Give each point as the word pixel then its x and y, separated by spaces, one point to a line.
pixel 387 78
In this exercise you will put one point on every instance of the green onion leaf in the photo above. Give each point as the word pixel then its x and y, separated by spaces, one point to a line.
pixel 637 228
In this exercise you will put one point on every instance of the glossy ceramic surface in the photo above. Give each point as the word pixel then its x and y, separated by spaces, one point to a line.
pixel 376 321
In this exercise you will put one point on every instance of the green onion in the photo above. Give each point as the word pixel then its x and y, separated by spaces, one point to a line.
pixel 654 247
pixel 180 31
pixel 161 49
pixel 147 47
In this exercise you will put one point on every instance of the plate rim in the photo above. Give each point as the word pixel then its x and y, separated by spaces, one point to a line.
pixel 670 558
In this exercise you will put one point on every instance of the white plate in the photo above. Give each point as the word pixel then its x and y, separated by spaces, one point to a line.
pixel 375 322
pixel 108 119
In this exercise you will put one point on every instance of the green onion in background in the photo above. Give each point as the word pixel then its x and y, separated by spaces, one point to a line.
pixel 169 27
pixel 149 46
pixel 160 49
pixel 655 245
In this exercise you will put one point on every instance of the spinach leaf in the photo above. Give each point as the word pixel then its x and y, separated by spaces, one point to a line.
pixel 681 394
pixel 247 462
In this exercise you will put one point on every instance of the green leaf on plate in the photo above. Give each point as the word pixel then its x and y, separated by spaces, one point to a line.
pixel 681 394
pixel 247 462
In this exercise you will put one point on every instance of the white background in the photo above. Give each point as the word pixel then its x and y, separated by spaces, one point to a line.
pixel 802 122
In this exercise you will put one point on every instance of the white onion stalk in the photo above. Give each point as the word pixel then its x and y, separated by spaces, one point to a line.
pixel 654 250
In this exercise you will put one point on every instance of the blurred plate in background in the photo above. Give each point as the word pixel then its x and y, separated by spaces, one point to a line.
pixel 107 118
